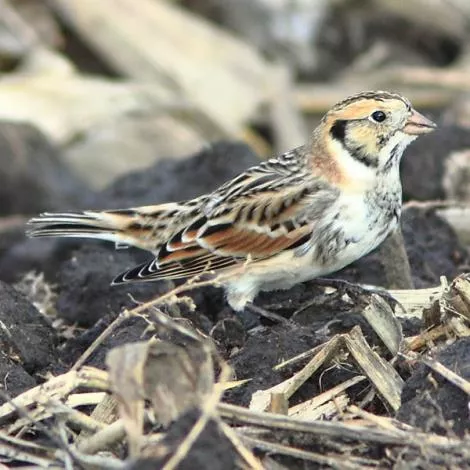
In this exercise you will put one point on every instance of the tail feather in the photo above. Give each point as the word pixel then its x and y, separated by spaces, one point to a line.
pixel 88 224
pixel 146 227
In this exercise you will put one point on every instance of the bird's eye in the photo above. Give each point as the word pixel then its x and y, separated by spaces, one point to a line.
pixel 378 116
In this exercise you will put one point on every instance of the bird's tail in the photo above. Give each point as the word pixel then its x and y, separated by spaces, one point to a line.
pixel 120 226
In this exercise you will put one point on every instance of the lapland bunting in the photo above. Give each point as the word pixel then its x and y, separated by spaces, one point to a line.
pixel 304 214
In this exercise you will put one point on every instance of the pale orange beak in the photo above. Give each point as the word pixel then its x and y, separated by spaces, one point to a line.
pixel 417 124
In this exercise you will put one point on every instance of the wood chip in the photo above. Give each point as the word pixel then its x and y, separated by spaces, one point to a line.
pixel 383 376
pixel 381 318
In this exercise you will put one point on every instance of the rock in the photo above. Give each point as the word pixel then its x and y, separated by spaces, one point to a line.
pixel 33 178
pixel 431 402
pixel 25 334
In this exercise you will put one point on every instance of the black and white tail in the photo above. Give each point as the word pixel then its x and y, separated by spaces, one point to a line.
pixel 119 226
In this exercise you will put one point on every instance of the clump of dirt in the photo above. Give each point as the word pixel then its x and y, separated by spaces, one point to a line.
pixel 84 284
pixel 423 166
pixel 27 341
pixel 178 180
pixel 431 402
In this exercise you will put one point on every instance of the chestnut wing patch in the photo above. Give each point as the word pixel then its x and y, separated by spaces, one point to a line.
pixel 242 242
pixel 230 246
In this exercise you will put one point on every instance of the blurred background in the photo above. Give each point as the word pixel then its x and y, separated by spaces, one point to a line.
pixel 109 104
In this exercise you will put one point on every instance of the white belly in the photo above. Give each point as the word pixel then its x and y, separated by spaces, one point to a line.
pixel 364 233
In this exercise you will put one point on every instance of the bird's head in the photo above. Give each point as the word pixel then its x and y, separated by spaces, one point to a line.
pixel 373 129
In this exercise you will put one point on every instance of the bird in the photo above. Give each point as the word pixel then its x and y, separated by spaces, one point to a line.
pixel 304 214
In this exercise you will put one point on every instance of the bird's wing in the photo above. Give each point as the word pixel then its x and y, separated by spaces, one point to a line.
pixel 264 211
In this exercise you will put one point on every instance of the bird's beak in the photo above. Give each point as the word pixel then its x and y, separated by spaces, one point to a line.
pixel 417 124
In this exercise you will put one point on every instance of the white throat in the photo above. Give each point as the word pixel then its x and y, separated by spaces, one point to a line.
pixel 350 166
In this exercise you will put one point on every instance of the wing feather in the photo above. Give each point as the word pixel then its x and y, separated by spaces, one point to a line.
pixel 257 215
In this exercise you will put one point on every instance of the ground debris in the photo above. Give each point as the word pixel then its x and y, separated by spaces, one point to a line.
pixel 170 412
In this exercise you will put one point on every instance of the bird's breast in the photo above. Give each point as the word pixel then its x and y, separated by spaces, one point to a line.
pixel 356 225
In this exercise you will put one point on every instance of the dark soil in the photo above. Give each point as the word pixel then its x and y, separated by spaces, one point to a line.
pixel 27 342
pixel 25 333
pixel 85 293
pixel 431 402
pixel 212 450
pixel 177 180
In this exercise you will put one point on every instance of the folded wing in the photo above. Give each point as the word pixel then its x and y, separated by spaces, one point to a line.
pixel 258 215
